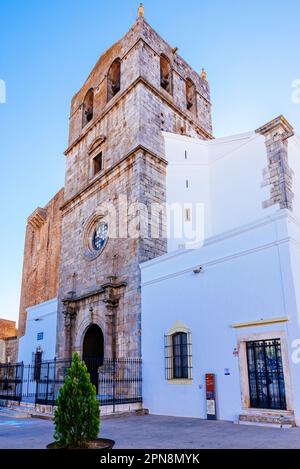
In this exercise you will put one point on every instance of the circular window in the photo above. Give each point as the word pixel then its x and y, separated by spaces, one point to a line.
pixel 95 236
pixel 100 236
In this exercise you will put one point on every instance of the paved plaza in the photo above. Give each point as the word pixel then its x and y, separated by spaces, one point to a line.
pixel 155 432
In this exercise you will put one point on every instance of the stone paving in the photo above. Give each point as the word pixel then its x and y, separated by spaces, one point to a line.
pixel 155 432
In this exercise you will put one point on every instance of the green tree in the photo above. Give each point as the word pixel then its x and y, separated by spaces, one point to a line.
pixel 77 417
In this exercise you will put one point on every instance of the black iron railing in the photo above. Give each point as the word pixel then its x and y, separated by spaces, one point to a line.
pixel 117 381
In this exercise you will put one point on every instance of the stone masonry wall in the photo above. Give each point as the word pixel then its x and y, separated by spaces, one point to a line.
pixel 7 328
pixel 11 350
pixel 278 174
pixel 8 341
pixel 128 178
pixel 41 257
pixel 127 130
pixel 139 51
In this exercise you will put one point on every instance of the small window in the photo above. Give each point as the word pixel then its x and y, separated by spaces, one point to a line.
pixel 187 214
pixel 165 74
pixel 190 96
pixel 178 356
pixel 88 108
pixel 114 79
pixel 40 335
pixel 97 163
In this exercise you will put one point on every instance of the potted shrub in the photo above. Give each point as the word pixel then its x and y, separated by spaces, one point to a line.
pixel 77 417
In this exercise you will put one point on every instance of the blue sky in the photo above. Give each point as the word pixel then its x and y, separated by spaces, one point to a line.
pixel 250 49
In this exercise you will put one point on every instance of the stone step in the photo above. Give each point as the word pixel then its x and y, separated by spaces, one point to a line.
pixel 27 409
pixel 275 420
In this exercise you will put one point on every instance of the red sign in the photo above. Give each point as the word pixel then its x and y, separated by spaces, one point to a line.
pixel 210 396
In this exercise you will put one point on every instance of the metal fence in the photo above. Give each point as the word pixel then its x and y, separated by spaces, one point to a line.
pixel 117 381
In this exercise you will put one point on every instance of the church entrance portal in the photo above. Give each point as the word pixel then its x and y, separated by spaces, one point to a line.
pixel 93 352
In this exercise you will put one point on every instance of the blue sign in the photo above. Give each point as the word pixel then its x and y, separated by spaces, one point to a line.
pixel 40 335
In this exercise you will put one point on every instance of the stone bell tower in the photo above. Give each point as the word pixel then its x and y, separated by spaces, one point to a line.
pixel 116 158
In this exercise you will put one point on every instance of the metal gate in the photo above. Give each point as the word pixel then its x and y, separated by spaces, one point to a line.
pixel 49 378
pixel 266 378
pixel 119 381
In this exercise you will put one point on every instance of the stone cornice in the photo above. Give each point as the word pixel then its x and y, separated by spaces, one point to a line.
pixel 279 121
pixel 97 142
pixel 97 292
pixel 260 322
pixel 110 170
pixel 117 98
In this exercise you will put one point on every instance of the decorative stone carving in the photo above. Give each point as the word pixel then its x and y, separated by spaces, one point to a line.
pixel 38 218
pixel 96 144
pixel 70 314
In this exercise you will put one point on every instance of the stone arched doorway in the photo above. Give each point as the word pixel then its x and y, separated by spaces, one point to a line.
pixel 93 351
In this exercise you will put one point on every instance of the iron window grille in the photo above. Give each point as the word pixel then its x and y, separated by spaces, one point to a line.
pixel 178 356
pixel 266 376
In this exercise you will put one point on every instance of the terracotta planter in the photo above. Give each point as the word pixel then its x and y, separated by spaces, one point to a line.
pixel 101 444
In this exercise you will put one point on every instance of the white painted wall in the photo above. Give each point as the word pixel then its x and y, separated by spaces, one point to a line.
pixel 248 276
pixel 40 318
pixel 224 174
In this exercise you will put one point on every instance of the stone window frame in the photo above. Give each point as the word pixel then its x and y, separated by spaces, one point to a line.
pixel 89 252
pixel 179 327
pixel 85 322
pixel 94 157
pixel 244 376
pixel 93 151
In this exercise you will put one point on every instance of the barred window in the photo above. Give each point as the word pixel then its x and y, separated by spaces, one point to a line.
pixel 178 358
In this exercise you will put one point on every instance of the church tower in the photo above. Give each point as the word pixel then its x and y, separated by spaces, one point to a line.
pixel 115 158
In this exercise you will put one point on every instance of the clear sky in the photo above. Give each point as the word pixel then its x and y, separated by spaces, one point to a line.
pixel 250 49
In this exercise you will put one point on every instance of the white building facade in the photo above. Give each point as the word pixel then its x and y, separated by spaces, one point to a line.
pixel 40 335
pixel 231 307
